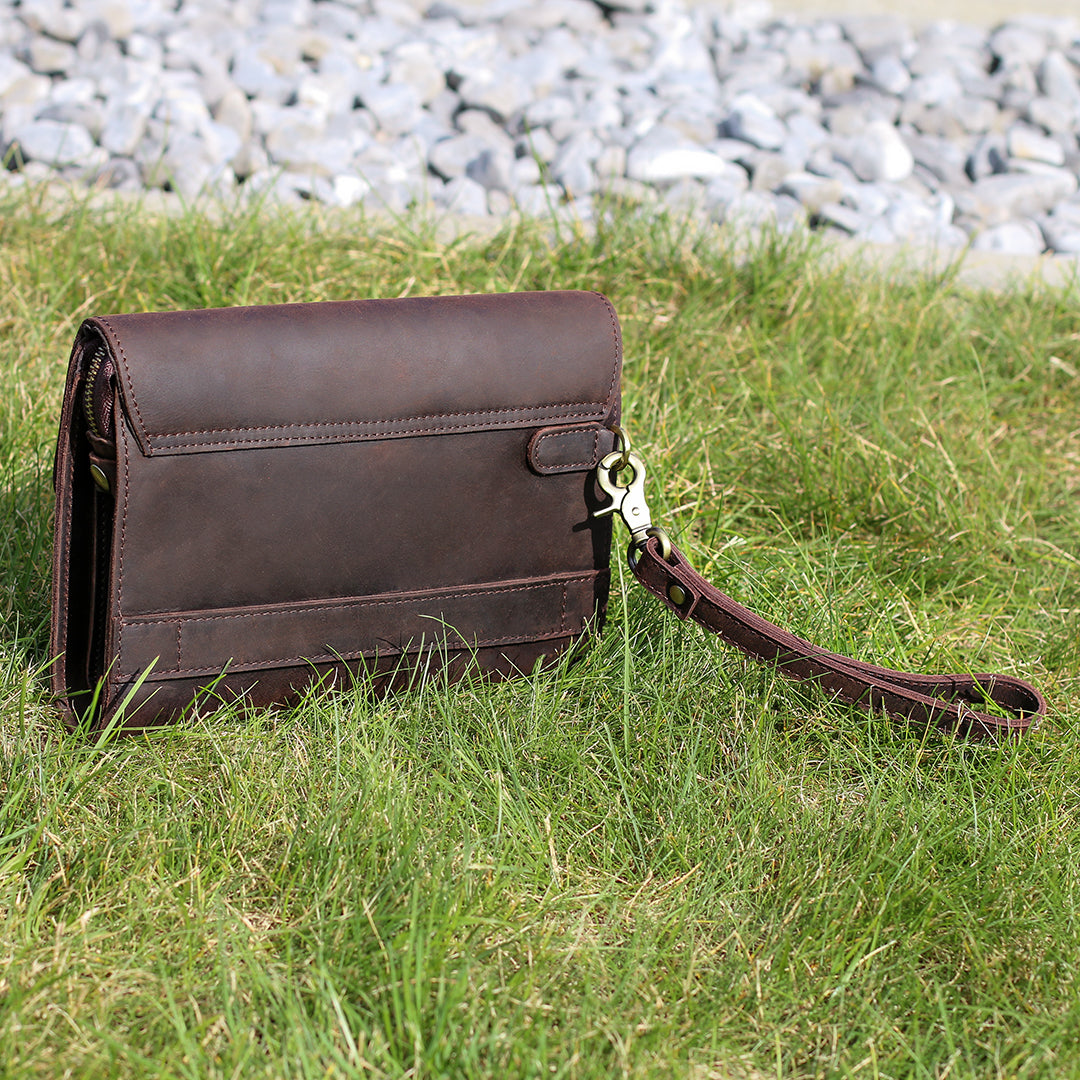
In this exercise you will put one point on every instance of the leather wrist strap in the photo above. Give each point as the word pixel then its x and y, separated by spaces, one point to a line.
pixel 953 703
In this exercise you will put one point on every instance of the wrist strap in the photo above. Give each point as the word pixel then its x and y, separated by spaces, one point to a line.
pixel 953 703
pixel 949 702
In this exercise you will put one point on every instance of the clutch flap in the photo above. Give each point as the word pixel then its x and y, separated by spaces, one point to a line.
pixel 349 371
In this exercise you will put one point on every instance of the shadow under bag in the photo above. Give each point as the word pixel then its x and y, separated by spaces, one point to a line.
pixel 250 499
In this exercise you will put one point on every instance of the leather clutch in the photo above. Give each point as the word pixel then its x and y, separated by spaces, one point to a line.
pixel 252 499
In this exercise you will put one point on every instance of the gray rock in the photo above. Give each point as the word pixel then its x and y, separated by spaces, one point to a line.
pixel 611 163
pixel 1031 145
pixel 118 17
pixel 124 128
pixel 119 174
pixel 890 74
pixel 492 170
pixel 660 164
pixel 944 158
pixel 1016 43
pixel 299 148
pixel 537 144
pixel 343 190
pixel 767 171
pixel 397 107
pixel 525 172
pixel 451 157
pixel 416 64
pixel 258 77
pixel 47 56
pixel 750 120
pixel 12 71
pixel 756 211
pixel 831 65
pixel 574 166
pixel 989 155
pixel 993 200
pixel 191 168
pixel 535 200
pixel 936 88
pixel 731 113
pixel 463 196
pixel 977 114
pixel 842 217
pixel 1064 242
pixel 880 153
pixel 848 114
pixel 1058 79
pixel 812 191
pixel 182 108
pixel 1011 238
pixel 54 19
pixel 1067 213
pixel 1054 116
pixel 503 91
pixel 53 142
pixel 234 111
pixel 877 35
pixel 251 159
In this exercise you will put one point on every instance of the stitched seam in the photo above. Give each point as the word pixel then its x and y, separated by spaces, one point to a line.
pixel 121 428
pixel 324 658
pixel 277 661
pixel 347 605
pixel 283 428
pixel 389 420
pixel 617 341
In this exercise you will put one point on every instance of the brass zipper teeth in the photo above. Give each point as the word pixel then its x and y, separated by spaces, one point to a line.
pixel 101 354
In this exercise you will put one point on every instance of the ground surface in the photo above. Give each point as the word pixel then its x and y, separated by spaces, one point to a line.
pixel 979 12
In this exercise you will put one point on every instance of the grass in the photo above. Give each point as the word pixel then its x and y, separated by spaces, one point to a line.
pixel 662 860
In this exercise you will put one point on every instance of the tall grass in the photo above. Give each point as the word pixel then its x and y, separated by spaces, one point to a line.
pixel 661 860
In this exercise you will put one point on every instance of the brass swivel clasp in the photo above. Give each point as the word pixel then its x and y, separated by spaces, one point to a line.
pixel 621 476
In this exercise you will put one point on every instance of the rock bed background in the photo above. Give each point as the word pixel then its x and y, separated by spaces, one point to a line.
pixel 947 135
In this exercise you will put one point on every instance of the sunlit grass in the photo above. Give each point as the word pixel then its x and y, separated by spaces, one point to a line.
pixel 662 860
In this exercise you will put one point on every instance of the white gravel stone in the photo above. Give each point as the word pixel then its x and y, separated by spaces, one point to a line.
pixel 890 73
pixel 812 191
pixel 1011 238
pixel 123 129
pixel 47 56
pixel 463 196
pixel 53 18
pixel 995 199
pixel 853 123
pixel 666 165
pixel 1031 145
pixel 750 120
pixel 54 142
pixel 880 153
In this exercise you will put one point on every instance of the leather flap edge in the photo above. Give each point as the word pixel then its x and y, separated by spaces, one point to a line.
pixel 344 371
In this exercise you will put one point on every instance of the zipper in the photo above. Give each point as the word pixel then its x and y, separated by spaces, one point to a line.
pixel 97 409
pixel 97 402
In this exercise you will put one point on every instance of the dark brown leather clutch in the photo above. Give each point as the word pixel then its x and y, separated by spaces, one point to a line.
pixel 250 499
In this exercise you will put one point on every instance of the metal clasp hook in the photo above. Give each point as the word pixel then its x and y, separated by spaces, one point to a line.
pixel 628 499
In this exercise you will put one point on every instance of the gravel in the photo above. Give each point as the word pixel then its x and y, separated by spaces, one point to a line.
pixel 948 136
